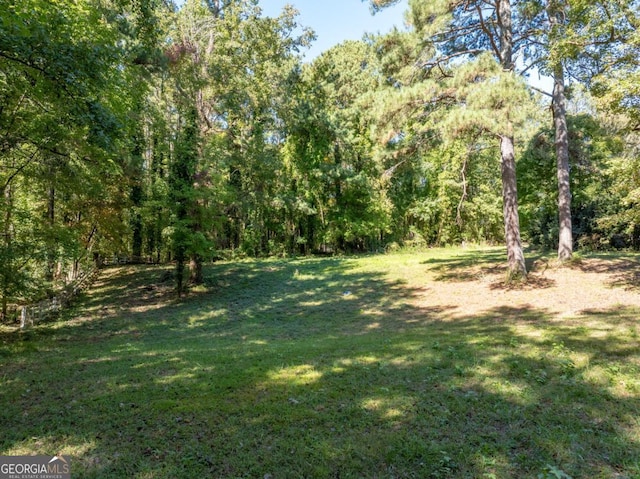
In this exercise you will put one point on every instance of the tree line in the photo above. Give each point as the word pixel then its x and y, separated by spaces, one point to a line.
pixel 190 133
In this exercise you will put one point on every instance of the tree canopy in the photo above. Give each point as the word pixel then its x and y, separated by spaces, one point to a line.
pixel 192 133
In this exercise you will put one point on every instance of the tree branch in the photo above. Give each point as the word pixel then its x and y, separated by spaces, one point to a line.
pixel 19 170
pixel 442 60
pixel 550 95
pixel 38 69
pixel 488 32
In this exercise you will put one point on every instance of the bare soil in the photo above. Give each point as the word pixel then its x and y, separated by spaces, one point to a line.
pixel 586 286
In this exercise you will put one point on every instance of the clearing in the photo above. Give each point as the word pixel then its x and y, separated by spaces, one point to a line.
pixel 411 364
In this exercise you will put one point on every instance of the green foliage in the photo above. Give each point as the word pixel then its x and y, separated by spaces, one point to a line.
pixel 337 199
pixel 163 133
pixel 447 187
pixel 552 472
pixel 592 154
pixel 65 91
pixel 607 39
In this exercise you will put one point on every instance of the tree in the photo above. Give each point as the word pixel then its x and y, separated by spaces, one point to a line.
pixel 544 28
pixel 594 153
pixel 64 91
pixel 556 12
pixel 441 136
pixel 608 60
pixel 464 29
pixel 579 40
pixel 186 159
pixel 337 197
pixel 181 179
pixel 223 96
pixel 255 105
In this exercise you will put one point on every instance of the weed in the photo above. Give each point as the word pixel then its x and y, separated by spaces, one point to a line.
pixel 552 472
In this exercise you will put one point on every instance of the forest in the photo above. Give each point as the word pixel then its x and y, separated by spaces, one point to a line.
pixel 185 134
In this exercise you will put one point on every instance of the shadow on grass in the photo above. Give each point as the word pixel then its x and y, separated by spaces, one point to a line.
pixel 490 265
pixel 532 282
pixel 625 270
pixel 316 369
pixel 467 265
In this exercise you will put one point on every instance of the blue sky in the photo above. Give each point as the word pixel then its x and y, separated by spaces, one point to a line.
pixel 335 21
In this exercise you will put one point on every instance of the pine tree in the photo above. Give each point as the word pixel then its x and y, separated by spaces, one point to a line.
pixel 455 31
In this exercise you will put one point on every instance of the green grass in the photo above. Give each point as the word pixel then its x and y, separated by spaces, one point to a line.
pixel 323 368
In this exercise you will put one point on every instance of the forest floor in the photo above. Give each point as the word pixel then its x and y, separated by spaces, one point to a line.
pixel 412 364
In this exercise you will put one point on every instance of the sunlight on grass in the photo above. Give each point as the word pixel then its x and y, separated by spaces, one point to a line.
pixel 366 360
pixel 71 448
pixel 517 392
pixel 307 277
pixel 127 348
pixel 307 304
pixel 200 320
pixel 599 376
pixel 389 408
pixel 332 367
pixel 301 375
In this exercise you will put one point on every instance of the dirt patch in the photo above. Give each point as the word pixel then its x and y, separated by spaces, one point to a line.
pixel 567 291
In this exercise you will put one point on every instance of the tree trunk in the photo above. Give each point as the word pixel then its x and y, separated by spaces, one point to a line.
pixel 558 105
pixel 136 196
pixel 7 269
pixel 75 272
pixel 515 255
pixel 51 250
pixel 181 194
pixel 195 268
pixel 505 23
pixel 137 239
pixel 179 253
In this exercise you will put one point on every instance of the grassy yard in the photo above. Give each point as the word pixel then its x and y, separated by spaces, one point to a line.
pixel 403 365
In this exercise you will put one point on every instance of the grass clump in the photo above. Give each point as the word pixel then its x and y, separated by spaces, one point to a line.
pixel 402 365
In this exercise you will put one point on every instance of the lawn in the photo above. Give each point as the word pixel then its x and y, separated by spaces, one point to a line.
pixel 410 364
